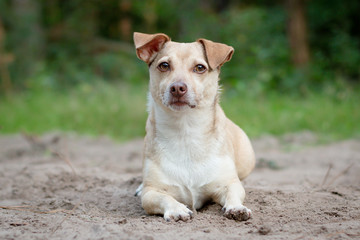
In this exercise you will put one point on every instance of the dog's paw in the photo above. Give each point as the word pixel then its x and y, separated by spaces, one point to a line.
pixel 238 213
pixel 180 212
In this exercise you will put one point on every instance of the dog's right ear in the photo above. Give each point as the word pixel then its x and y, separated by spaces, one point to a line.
pixel 148 44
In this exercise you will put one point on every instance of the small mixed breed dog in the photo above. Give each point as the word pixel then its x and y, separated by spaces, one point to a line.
pixel 192 153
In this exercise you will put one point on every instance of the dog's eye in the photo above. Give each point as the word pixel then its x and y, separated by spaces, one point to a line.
pixel 199 68
pixel 164 66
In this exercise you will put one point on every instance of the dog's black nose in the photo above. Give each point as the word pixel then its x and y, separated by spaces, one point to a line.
pixel 178 89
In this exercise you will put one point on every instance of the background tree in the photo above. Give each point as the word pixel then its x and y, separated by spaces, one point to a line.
pixel 297 32
pixel 5 59
pixel 60 43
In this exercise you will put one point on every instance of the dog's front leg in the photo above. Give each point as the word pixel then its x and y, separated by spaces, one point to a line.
pixel 155 202
pixel 232 199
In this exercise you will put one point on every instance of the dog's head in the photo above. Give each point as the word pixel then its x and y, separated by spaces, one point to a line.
pixel 182 75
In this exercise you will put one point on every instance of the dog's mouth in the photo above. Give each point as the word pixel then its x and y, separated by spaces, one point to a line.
pixel 178 103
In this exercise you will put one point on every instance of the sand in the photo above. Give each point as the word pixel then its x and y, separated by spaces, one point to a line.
pixel 63 186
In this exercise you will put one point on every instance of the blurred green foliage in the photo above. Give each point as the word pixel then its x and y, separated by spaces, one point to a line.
pixel 72 64
pixel 59 43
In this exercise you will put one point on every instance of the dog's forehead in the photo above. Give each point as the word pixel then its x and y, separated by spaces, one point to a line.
pixel 183 50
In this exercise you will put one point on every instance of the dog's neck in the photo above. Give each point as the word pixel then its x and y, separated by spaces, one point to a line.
pixel 191 122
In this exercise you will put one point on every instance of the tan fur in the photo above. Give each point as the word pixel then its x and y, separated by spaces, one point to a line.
pixel 192 153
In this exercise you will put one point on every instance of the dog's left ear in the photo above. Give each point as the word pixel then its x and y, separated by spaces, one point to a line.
pixel 216 53
pixel 148 44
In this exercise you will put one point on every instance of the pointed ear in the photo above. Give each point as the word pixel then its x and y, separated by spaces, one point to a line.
pixel 216 53
pixel 148 44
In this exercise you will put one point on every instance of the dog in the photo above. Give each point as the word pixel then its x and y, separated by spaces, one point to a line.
pixel 192 152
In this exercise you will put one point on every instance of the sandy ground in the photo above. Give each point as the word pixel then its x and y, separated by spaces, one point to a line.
pixel 69 187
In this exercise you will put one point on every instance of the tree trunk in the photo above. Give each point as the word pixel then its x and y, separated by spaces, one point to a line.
pixel 297 33
pixel 125 23
pixel 5 59
pixel 27 37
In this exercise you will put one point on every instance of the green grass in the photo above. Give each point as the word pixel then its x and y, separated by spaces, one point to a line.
pixel 119 111
pixel 331 117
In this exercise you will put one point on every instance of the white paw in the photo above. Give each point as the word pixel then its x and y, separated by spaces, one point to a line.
pixel 238 213
pixel 178 212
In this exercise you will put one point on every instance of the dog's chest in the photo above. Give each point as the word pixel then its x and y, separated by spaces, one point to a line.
pixel 189 164
pixel 188 161
pixel 188 153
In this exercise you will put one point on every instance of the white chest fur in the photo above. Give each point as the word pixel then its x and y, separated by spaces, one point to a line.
pixel 186 161
pixel 189 154
pixel 186 165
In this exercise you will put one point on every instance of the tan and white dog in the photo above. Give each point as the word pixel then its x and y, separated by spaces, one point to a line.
pixel 193 153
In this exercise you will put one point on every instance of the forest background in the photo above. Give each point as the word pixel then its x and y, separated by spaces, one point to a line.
pixel 70 65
